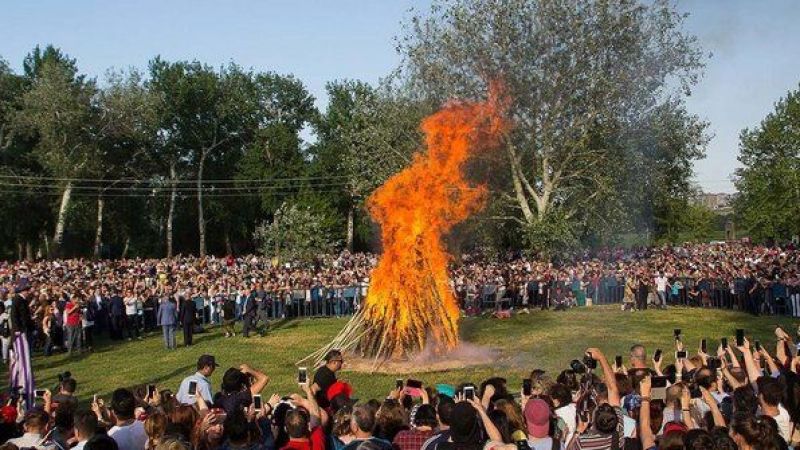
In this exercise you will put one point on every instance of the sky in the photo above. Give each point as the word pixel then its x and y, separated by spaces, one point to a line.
pixel 755 47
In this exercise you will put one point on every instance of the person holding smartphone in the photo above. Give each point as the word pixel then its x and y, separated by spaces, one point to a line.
pixel 206 365
pixel 325 376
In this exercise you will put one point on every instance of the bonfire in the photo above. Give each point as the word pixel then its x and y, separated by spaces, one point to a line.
pixel 410 305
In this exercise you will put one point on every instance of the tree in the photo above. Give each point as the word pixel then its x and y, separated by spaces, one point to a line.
pixel 768 182
pixel 366 135
pixel 579 74
pixel 126 136
pixel 296 233
pixel 58 111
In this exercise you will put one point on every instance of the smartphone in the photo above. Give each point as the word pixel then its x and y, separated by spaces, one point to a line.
pixel 469 392
pixel 39 393
pixel 757 343
pixel 657 355
pixel 739 337
pixel 677 333
pixel 658 388
pixel 398 383
pixel 414 384
pixel 151 390
pixel 724 343
pixel 526 387
pixel 704 346
pixel 94 398
pixel 193 388
pixel 257 402
pixel 302 375
pixel 680 354
pixel 618 361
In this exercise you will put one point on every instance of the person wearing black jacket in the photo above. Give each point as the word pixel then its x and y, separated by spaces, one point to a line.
pixel 20 314
pixel 186 316
pixel 248 312
pixel 117 316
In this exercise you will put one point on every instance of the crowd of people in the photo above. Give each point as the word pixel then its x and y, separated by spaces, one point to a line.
pixel 67 302
pixel 741 396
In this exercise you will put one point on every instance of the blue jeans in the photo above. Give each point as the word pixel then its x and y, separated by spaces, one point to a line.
pixel 169 336
pixel 277 308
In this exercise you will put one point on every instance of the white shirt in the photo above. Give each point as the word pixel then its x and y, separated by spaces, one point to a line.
pixel 129 437
pixel 542 444
pixel 661 283
pixel 31 440
pixel 567 413
pixel 130 306
pixel 203 388
pixel 784 423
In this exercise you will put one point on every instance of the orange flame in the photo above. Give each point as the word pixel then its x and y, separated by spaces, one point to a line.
pixel 410 300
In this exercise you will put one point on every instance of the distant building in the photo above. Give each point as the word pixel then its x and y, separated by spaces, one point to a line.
pixel 715 202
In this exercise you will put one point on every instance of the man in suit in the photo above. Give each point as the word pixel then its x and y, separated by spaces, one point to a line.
pixel 167 319
pixel 186 314
pixel 117 315
pixel 248 311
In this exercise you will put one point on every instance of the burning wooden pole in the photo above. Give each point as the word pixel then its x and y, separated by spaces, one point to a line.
pixel 410 305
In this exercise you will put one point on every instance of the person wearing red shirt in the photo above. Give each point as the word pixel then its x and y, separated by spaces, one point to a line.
pixel 72 311
pixel 300 438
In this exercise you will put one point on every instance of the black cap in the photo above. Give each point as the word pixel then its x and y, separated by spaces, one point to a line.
pixel 206 361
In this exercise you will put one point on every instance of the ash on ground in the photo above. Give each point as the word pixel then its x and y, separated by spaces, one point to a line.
pixel 465 355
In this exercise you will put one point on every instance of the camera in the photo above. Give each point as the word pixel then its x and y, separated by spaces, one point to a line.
pixel 589 362
pixel 577 366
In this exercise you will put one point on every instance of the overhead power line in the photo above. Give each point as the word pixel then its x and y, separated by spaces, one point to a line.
pixel 167 181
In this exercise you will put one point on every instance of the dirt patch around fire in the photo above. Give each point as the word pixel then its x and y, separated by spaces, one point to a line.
pixel 464 356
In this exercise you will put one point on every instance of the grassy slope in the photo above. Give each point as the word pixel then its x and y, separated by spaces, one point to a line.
pixel 543 339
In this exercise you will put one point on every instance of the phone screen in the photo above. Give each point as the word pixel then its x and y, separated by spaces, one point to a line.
pixel 618 360
pixel 526 386
pixel 677 333
pixel 724 343
pixel 704 346
pixel 739 337
pixel 151 390
pixel 257 402
pixel 757 343
pixel 469 392
pixel 302 375
pixel 681 354
pixel 193 388
pixel 657 355
pixel 39 393
pixel 398 383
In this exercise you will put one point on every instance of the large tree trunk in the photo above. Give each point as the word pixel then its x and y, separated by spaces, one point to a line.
pixel 350 226
pixel 29 251
pixel 20 253
pixel 201 222
pixel 98 235
pixel 58 236
pixel 172 198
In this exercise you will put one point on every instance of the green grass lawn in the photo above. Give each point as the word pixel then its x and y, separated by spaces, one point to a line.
pixel 543 339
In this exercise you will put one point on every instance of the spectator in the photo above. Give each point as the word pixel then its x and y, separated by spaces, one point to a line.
pixel 127 432
pixel 35 427
pixel 85 425
pixel 206 365
pixel 362 424
pixel 326 376
pixel 537 418
pixel 423 422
